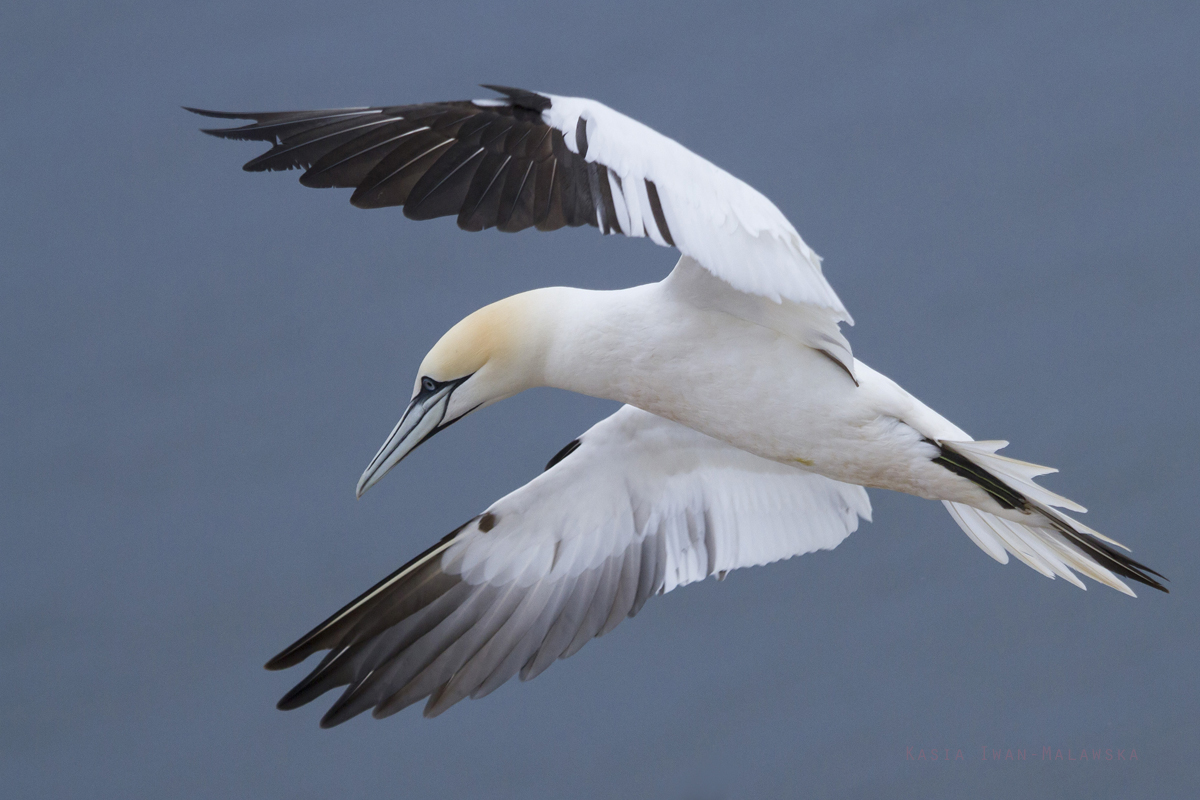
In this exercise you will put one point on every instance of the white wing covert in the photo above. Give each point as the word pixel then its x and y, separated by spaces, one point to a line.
pixel 636 506
pixel 726 225
pixel 539 160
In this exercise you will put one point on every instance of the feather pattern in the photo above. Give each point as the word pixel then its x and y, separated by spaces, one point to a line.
pixel 552 567
pixel 539 160
pixel 1034 530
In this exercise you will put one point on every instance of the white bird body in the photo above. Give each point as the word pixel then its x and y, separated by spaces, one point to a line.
pixel 749 432
pixel 652 347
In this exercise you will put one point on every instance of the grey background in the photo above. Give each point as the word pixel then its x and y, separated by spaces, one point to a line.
pixel 197 363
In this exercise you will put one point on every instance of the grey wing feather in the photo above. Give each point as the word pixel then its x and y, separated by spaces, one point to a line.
pixel 543 577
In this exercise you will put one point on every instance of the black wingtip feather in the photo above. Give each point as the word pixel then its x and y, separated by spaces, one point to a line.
pixel 315 684
pixel 289 701
pixel 493 166
pixel 221 133
pixel 204 112
pixel 288 658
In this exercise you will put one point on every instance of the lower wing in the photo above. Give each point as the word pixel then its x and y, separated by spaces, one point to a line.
pixel 634 507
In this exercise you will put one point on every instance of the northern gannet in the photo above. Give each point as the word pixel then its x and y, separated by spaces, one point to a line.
pixel 749 432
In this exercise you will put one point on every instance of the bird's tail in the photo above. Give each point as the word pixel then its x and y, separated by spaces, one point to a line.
pixel 1049 541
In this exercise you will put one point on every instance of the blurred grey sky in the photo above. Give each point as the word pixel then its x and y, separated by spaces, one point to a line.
pixel 197 363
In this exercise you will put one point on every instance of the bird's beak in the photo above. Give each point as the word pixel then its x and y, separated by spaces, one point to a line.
pixel 425 416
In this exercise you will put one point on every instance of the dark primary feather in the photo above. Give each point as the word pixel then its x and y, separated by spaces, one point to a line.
pixel 537 576
pixel 383 603
pixel 493 166
pixel 424 632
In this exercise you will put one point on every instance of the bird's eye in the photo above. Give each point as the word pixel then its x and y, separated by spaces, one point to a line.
pixel 427 384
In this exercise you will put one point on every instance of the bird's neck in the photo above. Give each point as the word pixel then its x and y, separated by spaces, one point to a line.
pixel 594 341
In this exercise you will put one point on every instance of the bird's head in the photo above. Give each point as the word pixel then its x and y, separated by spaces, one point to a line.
pixel 494 353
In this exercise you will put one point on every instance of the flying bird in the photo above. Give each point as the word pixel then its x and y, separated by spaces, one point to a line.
pixel 749 430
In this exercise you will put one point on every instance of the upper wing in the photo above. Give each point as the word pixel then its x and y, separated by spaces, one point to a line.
pixel 636 506
pixel 540 160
